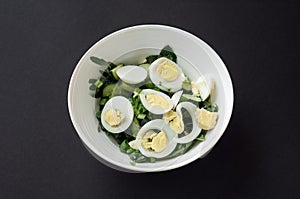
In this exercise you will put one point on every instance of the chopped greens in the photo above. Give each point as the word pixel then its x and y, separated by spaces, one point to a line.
pixel 167 52
pixel 110 85
pixel 99 61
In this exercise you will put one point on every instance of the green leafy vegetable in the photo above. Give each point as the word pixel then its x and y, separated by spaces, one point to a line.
pixel 92 81
pixel 98 83
pixel 210 107
pixel 125 147
pixel 99 61
pixel 191 97
pixel 98 115
pixel 201 138
pixel 167 52
pixel 109 85
pixel 103 101
pixel 186 85
pixel 108 90
pixel 137 105
pixel 152 58
pixel 141 116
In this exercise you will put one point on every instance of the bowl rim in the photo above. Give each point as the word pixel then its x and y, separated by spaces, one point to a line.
pixel 154 169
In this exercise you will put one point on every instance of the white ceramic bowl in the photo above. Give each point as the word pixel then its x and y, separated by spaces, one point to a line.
pixel 132 45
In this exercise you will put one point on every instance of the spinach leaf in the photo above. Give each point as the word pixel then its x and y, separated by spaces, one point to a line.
pixel 167 52
pixel 152 58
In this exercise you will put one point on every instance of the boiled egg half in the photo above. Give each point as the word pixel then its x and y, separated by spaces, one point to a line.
pixel 117 114
pixel 166 74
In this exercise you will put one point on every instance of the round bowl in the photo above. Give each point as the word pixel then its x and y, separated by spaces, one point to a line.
pixel 132 45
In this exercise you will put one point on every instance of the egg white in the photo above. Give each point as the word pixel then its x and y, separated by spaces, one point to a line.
pixel 155 109
pixel 159 125
pixel 161 83
pixel 124 106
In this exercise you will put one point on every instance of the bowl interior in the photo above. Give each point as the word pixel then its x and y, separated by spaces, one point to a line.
pixel 132 45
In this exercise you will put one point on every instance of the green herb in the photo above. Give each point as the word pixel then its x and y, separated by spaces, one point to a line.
pixel 100 128
pixel 191 97
pixel 179 150
pixel 108 86
pixel 98 115
pixel 99 61
pixel 141 116
pixel 156 88
pixel 137 157
pixel 186 85
pixel 210 107
pixel 92 81
pixel 98 83
pixel 132 163
pixel 167 52
pixel 98 92
pixel 138 107
pixel 201 138
pixel 152 58
pixel 124 146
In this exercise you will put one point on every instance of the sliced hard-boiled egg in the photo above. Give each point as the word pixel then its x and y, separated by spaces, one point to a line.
pixel 117 114
pixel 191 109
pixel 132 74
pixel 202 87
pixel 176 97
pixel 207 120
pixel 156 102
pixel 174 120
pixel 166 74
pixel 156 139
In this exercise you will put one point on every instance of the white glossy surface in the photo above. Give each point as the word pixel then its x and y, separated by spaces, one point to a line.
pixel 132 74
pixel 144 40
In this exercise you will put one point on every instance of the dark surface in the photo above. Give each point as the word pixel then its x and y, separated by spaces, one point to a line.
pixel 40 153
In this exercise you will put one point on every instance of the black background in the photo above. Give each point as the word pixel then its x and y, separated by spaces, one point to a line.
pixel 42 157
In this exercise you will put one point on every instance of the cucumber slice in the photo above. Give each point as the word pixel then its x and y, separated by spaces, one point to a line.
pixel 114 71
pixel 127 87
pixel 187 86
pixel 108 90
pixel 118 91
pixel 145 66
pixel 141 116
pixel 191 97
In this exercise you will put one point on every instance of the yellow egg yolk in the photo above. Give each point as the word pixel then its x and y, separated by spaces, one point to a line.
pixel 113 117
pixel 173 119
pixel 154 141
pixel 206 119
pixel 157 100
pixel 167 71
